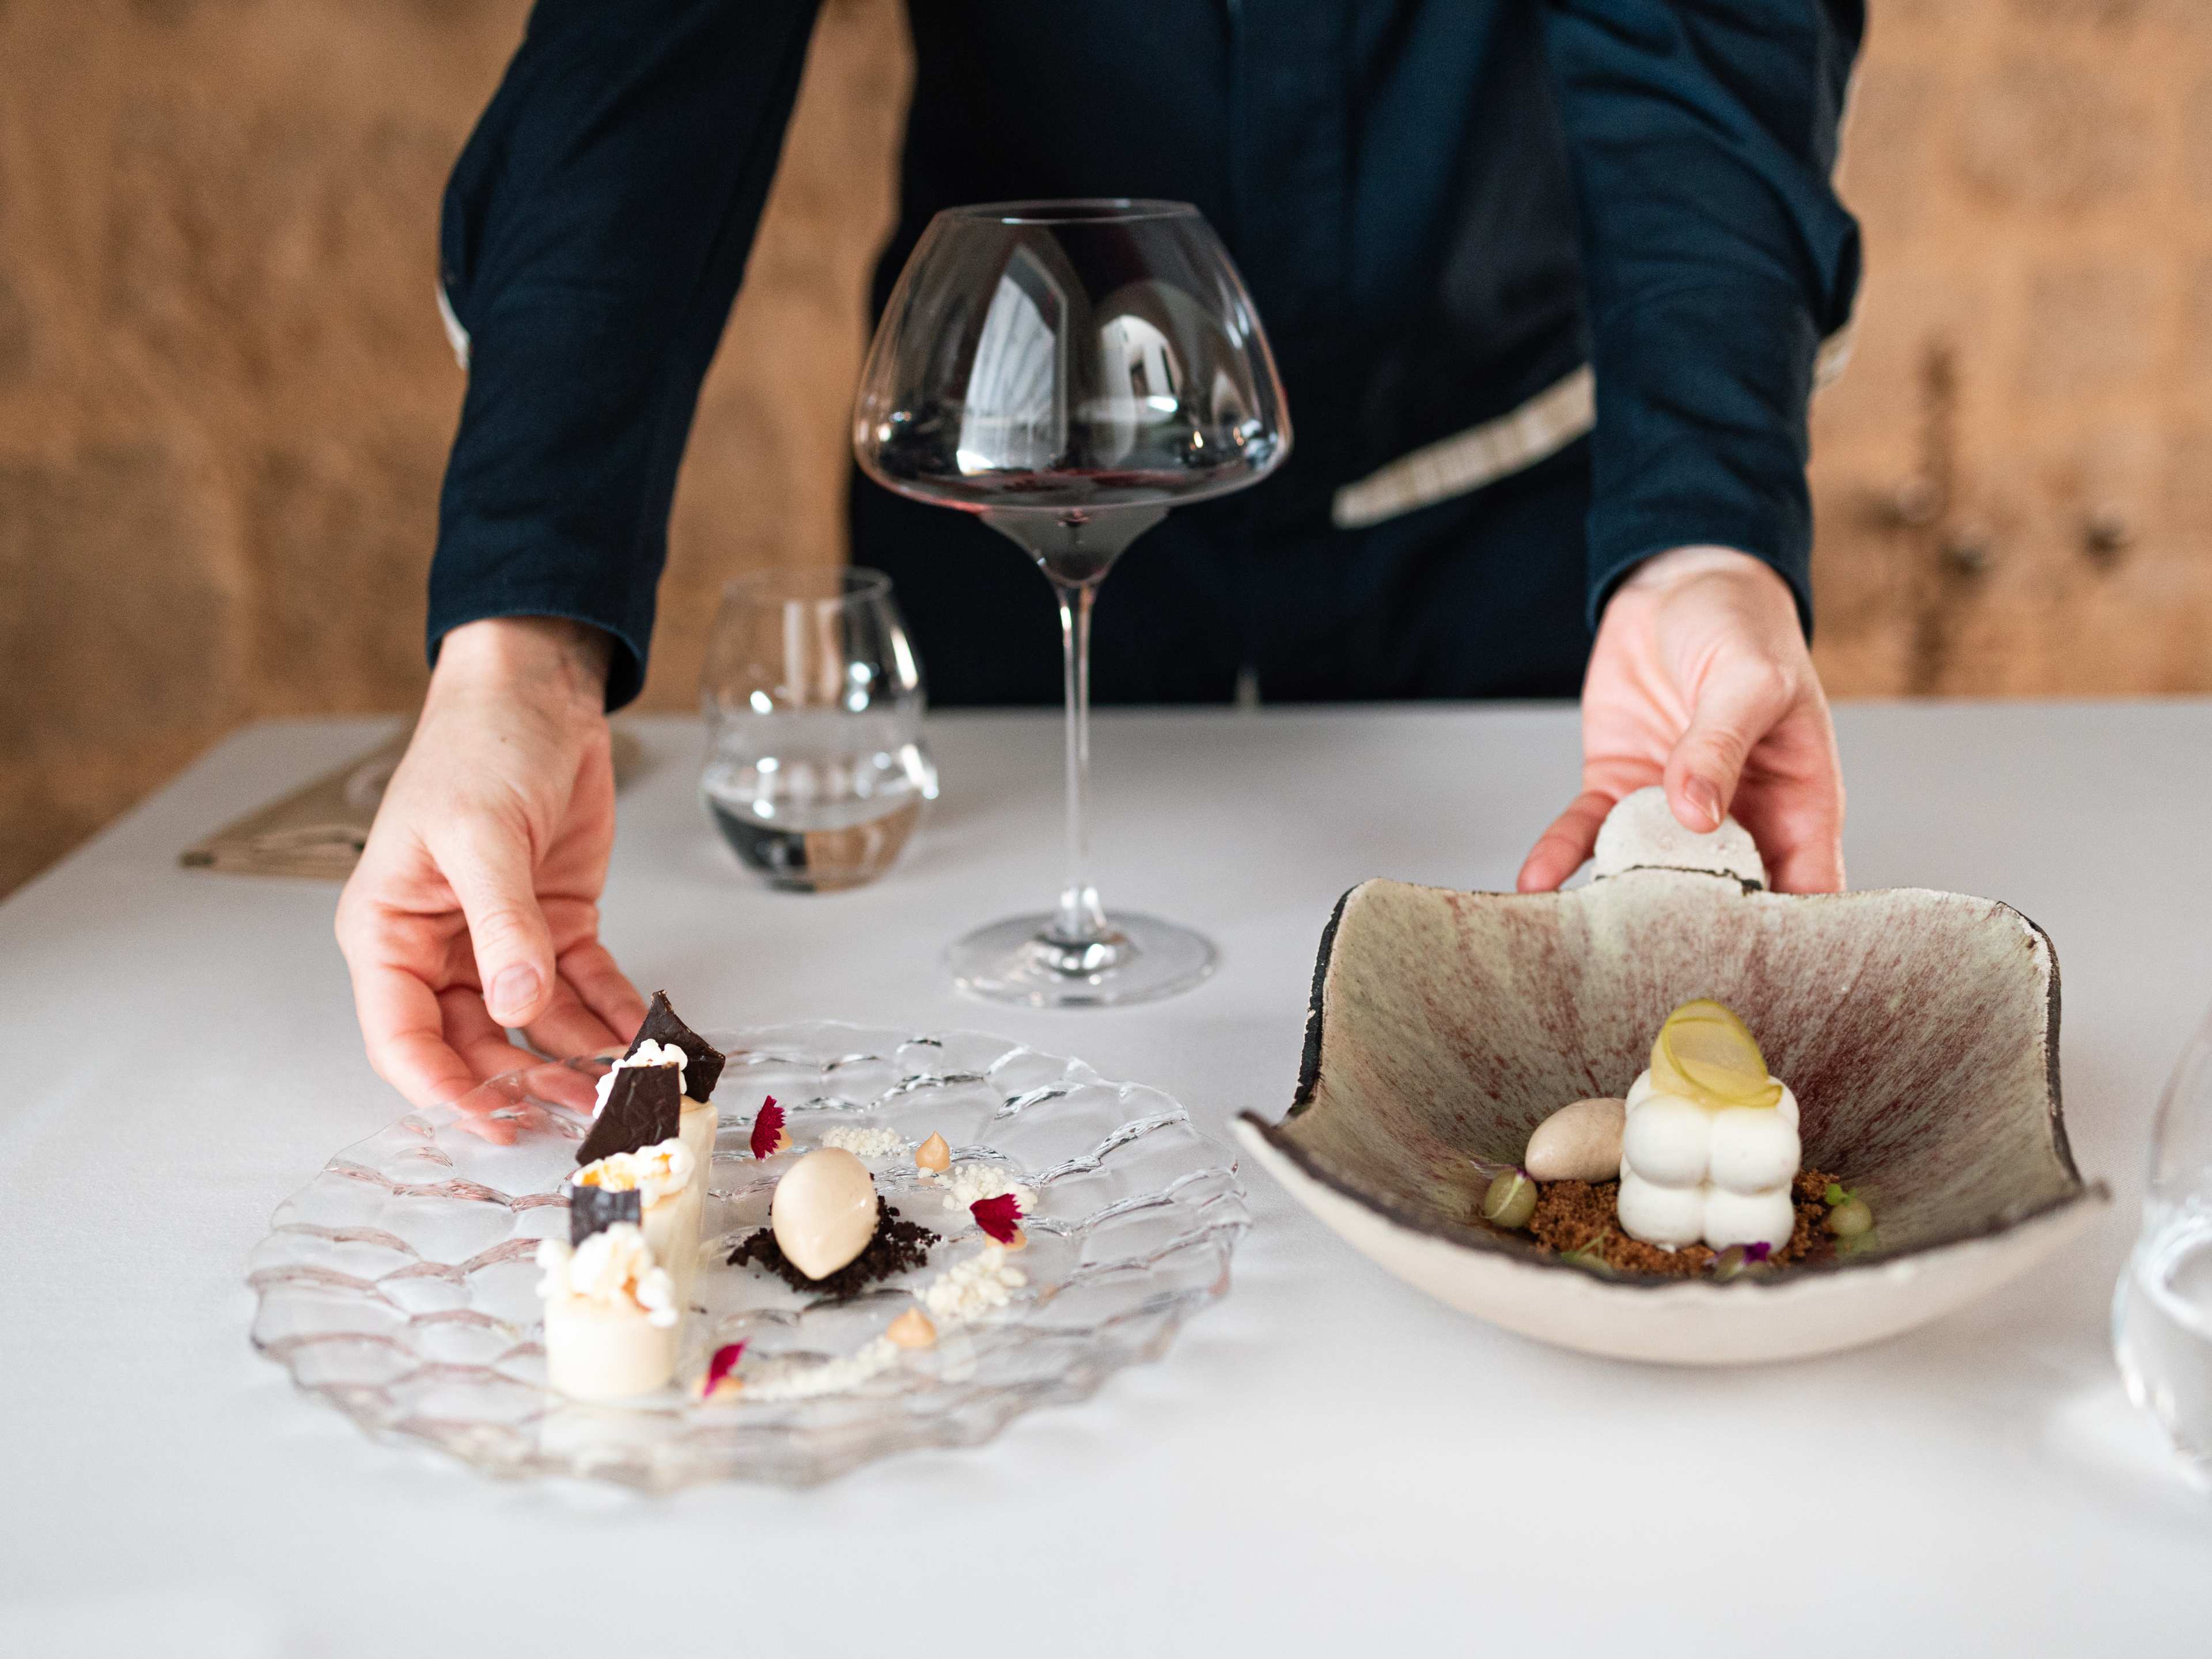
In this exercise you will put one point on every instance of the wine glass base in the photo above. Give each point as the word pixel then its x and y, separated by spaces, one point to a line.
pixel 1017 961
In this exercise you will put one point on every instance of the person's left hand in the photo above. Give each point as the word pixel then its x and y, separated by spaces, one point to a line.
pixel 1700 680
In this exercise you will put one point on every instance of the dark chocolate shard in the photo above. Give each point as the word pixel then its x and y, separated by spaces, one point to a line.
pixel 703 1061
pixel 595 1209
pixel 644 1108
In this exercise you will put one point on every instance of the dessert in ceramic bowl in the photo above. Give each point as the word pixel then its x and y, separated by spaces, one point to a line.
pixel 1782 1124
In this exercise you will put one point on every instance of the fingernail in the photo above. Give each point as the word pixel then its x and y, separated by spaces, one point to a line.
pixel 1705 800
pixel 513 993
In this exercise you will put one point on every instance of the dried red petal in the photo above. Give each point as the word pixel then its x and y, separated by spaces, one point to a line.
pixel 1000 1217
pixel 720 1366
pixel 768 1138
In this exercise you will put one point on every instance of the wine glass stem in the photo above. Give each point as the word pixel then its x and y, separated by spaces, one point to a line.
pixel 1079 920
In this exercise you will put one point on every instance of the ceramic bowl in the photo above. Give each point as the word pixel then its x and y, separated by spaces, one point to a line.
pixel 1918 1029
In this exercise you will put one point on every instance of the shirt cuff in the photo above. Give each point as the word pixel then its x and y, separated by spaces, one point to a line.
pixel 480 599
pixel 1796 573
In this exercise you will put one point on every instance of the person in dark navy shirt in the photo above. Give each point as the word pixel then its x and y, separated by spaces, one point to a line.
pixel 1550 283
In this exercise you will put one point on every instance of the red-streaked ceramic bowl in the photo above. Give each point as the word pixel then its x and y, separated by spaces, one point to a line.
pixel 1919 1030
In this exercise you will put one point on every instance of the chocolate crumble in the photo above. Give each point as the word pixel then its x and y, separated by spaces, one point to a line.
pixel 1574 1216
pixel 898 1245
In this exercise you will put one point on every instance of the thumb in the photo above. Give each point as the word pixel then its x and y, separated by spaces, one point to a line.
pixel 1736 708
pixel 489 866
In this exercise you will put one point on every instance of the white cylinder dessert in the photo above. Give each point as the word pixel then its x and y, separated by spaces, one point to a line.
pixel 612 1317
pixel 1708 1150
pixel 663 1177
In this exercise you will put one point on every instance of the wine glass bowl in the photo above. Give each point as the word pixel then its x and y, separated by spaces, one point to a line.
pixel 1067 357
pixel 1068 372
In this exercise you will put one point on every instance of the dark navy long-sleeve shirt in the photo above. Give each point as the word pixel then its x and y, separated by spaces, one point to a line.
pixel 1444 208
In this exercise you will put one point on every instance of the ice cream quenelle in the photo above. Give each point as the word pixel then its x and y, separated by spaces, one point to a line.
pixel 663 1177
pixel 1708 1150
pixel 824 1212
pixel 611 1318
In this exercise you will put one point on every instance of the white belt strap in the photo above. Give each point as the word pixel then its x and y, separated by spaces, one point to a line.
pixel 1536 431
pixel 456 336
pixel 1481 455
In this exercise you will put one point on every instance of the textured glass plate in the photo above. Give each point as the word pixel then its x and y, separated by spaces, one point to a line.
pixel 400 1284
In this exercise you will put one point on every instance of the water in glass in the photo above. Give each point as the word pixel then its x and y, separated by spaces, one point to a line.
pixel 816 772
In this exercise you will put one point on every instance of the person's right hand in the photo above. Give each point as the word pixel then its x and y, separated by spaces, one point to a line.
pixel 475 906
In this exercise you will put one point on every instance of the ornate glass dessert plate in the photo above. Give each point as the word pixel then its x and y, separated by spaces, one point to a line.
pixel 400 1284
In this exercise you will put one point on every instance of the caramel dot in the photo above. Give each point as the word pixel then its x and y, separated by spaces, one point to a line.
pixel 911 1330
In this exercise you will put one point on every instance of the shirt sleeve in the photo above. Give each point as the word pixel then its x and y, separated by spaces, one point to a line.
pixel 1716 259
pixel 594 234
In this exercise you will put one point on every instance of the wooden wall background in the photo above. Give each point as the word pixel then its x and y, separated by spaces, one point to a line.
pixel 225 398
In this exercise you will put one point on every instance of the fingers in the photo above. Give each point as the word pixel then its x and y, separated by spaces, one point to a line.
pixel 1561 849
pixel 479 1038
pixel 564 1086
pixel 1738 707
pixel 1792 802
pixel 403 1029
pixel 568 1027
pixel 1812 866
pixel 605 989
pixel 489 866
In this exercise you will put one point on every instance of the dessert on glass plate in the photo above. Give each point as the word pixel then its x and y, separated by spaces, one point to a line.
pixel 1673 1117
pixel 664 1040
pixel 768 1254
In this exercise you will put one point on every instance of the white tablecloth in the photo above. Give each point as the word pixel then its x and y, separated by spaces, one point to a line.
pixel 1326 1462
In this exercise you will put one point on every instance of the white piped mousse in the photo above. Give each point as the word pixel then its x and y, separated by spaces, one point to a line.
pixel 1690 1173
pixel 1708 1151
pixel 612 1316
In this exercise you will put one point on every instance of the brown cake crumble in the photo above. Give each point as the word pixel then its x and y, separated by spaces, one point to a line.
pixel 898 1244
pixel 1581 1217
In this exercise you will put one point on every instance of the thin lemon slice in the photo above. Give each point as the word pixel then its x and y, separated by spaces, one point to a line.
pixel 1704 1053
